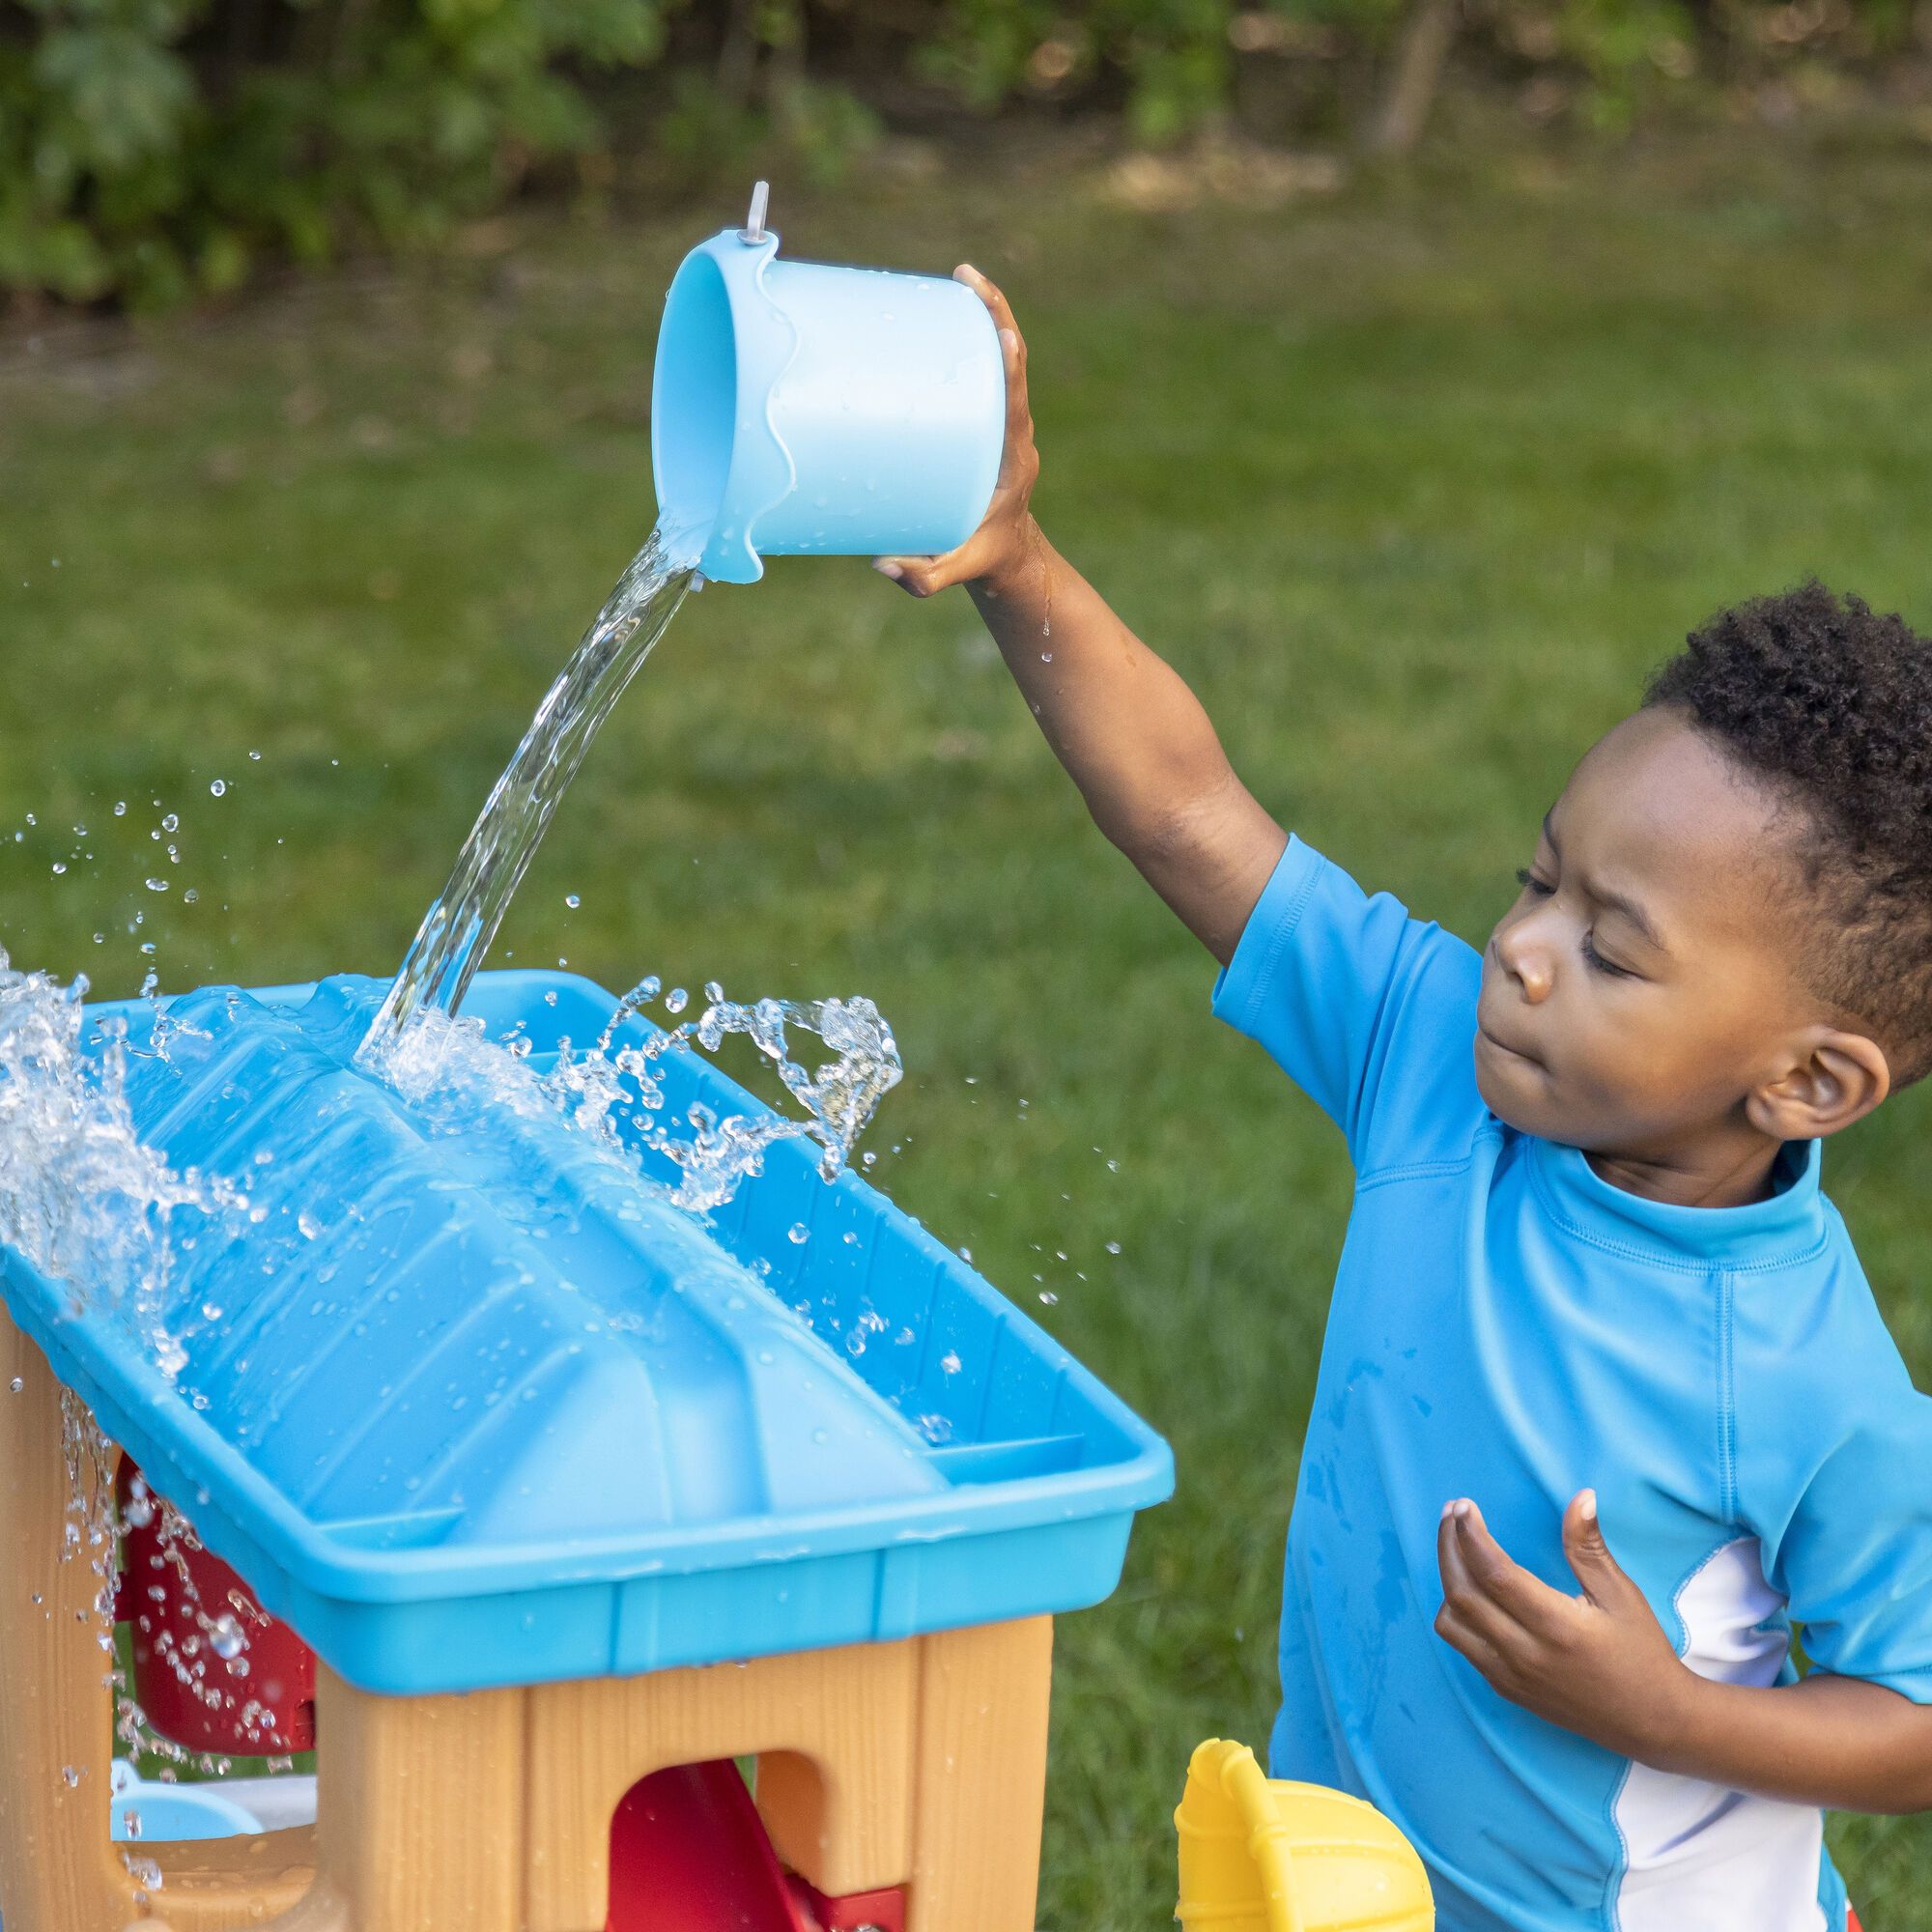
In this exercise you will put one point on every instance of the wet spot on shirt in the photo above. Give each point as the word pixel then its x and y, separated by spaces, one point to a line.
pixel 1391 1581
pixel 1363 1369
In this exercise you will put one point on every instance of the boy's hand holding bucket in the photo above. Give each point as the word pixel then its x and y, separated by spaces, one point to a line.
pixel 1006 536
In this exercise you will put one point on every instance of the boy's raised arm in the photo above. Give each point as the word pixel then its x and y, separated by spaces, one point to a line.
pixel 1126 728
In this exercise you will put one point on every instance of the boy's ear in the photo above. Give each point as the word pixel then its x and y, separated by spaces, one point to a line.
pixel 1834 1078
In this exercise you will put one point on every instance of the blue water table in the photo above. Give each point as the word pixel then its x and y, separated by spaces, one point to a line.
pixel 570 1504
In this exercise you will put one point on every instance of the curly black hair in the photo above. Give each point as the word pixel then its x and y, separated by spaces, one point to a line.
pixel 1830 706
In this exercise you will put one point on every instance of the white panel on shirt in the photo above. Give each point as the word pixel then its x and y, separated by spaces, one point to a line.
pixel 1703 1858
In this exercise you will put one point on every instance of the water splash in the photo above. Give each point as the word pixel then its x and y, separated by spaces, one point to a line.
pixel 453 1075
pixel 82 1198
pixel 459 927
pixel 89 1527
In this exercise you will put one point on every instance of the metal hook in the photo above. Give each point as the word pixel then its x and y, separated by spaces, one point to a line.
pixel 754 230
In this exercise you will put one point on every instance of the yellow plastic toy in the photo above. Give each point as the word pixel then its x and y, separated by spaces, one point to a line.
pixel 1263 1855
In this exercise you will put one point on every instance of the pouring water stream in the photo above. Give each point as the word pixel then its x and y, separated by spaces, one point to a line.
pixel 461 922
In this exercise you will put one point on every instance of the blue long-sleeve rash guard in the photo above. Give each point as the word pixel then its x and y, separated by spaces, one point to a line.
pixel 1507 1325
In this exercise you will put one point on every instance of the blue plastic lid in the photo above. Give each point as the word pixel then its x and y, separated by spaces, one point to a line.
pixel 481 1407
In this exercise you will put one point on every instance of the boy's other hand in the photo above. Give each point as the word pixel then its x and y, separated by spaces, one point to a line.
pixel 1598 1663
pixel 1002 538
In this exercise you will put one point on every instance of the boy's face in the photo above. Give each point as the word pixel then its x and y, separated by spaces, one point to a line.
pixel 1643 982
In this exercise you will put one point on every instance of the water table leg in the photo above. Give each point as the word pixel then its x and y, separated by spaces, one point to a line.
pixel 420 1824
pixel 980 1782
pixel 59 1870
pixel 419 1829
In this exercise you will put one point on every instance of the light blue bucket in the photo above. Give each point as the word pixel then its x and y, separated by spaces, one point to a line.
pixel 806 407
pixel 147 1812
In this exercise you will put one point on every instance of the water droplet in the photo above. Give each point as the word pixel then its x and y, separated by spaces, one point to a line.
pixel 16 1385
pixel 120 808
pixel 227 1638
pixel 172 822
pixel 949 1362
pixel 59 866
pixel 572 900
pixel 157 885
pixel 798 1233
pixel 676 1000
pixel 1113 1247
pixel 71 1776
pixel 219 787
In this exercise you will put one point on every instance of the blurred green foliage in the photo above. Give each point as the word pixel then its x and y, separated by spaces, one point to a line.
pixel 153 150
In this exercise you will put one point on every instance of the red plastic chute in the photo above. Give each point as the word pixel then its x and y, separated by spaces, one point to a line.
pixel 688 1853
pixel 213 1670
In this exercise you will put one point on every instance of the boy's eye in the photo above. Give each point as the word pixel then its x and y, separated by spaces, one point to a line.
pixel 1541 889
pixel 1597 963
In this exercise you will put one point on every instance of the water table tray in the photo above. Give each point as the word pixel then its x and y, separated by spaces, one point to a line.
pixel 478 1408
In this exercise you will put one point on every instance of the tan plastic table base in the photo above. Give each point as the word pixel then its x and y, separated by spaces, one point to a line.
pixel 920 1763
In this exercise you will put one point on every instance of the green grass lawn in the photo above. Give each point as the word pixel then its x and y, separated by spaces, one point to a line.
pixel 1414 483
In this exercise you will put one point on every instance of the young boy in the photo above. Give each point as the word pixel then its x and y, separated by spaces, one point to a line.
pixel 1593 1309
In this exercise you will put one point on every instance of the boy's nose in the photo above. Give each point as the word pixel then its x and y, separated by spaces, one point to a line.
pixel 1524 954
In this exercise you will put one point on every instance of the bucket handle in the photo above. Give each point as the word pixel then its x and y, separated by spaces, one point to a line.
pixel 1268 1845
pixel 754 230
